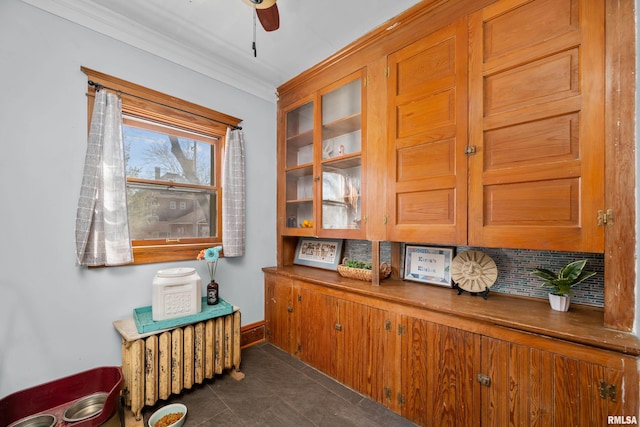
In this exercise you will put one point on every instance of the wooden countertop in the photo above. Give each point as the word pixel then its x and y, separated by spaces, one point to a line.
pixel 581 324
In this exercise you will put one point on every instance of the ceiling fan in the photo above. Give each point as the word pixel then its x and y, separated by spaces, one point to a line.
pixel 267 11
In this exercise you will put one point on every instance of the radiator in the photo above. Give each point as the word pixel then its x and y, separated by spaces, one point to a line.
pixel 167 362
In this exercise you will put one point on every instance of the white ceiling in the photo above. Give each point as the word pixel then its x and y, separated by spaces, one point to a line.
pixel 214 37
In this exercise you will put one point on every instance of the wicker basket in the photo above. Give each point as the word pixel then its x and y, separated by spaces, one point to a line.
pixel 362 273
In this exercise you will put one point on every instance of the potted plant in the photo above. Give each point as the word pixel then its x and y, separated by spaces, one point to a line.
pixel 561 283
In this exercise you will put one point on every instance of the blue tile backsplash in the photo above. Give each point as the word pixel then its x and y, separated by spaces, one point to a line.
pixel 514 267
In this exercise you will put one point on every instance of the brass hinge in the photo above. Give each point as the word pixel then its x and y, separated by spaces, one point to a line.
pixel 401 330
pixel 387 325
pixel 607 391
pixel 366 81
pixel 605 218
pixel 387 72
pixel 470 149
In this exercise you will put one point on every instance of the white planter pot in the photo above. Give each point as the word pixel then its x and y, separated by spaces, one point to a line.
pixel 560 302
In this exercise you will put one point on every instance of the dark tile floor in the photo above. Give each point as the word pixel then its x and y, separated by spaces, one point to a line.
pixel 278 390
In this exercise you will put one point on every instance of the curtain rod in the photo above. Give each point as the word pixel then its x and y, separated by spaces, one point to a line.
pixel 99 86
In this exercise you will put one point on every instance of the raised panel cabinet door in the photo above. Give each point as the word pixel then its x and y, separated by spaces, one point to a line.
pixel 439 365
pixel 427 136
pixel 536 122
pixel 533 387
pixel 278 310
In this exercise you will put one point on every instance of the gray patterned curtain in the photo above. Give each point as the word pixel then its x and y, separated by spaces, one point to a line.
pixel 102 226
pixel 233 195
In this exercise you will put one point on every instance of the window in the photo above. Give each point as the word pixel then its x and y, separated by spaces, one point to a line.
pixel 173 153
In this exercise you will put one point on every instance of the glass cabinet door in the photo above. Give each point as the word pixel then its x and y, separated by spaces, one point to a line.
pixel 299 167
pixel 341 158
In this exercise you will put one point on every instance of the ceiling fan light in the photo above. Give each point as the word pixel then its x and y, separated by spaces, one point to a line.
pixel 260 4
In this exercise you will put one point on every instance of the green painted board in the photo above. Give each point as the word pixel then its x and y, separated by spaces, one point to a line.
pixel 145 323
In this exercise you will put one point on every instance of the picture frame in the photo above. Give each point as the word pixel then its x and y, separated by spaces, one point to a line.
pixel 319 253
pixel 428 264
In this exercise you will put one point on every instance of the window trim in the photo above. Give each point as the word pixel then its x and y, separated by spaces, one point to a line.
pixel 184 115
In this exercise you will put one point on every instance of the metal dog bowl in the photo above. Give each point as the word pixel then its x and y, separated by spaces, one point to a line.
pixel 41 420
pixel 84 408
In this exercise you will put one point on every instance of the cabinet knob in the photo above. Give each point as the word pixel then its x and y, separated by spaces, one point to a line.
pixel 484 380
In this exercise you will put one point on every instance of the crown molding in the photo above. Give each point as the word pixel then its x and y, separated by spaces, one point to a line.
pixel 214 65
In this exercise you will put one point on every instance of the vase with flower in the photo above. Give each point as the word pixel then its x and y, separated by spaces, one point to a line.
pixel 211 256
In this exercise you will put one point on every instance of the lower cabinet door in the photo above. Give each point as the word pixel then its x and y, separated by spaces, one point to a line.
pixel 279 312
pixel 532 386
pixel 438 369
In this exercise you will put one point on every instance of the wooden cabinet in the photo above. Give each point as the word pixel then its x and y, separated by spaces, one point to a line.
pixel 434 362
pixel 321 162
pixel 427 137
pixel 536 123
pixel 496 129
pixel 438 368
pixel 280 318
pixel 553 383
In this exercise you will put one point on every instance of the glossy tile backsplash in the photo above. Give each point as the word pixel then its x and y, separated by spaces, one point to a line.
pixel 514 267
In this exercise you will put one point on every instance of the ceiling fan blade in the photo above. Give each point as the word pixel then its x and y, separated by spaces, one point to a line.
pixel 269 17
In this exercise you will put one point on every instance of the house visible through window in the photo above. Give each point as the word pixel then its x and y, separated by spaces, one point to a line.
pixel 173 157
pixel 169 170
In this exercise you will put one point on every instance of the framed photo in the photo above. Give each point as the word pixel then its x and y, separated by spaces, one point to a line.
pixel 320 253
pixel 428 264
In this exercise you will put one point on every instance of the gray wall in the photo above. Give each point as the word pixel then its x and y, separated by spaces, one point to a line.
pixel 56 318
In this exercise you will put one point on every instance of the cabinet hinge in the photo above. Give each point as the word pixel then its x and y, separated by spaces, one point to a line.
pixel 299 347
pixel 607 391
pixel 366 81
pixel 401 330
pixel 299 298
pixel 387 72
pixel 290 308
pixel 387 393
pixel 387 325
pixel 605 217
pixel 401 399
pixel 470 149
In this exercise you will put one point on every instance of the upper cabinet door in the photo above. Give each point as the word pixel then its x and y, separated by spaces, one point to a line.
pixel 297 169
pixel 427 136
pixel 340 159
pixel 321 162
pixel 537 125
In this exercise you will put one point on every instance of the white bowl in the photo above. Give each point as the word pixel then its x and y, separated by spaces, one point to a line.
pixel 174 407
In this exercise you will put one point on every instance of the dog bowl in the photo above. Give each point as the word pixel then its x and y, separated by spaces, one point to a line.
pixel 86 407
pixel 40 420
pixel 169 409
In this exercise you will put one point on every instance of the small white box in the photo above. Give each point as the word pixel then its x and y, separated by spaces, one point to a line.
pixel 177 292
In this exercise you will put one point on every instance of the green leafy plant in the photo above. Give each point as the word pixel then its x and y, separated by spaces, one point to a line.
pixel 357 264
pixel 569 276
